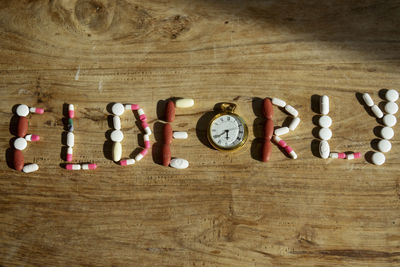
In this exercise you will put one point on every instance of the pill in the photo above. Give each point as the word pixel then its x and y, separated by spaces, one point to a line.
pixel 291 152
pixel 141 154
pixel 325 133
pixel 146 139
pixel 266 151
pixel 291 110
pixel 334 155
pixel 70 125
pixel 341 155
pixel 32 137
pixel 117 123
pixel 132 107
pixel 140 112
pixel 384 146
pixel 90 166
pixel 278 102
pixel 166 154
pixel 118 109
pixel 126 162
pixel 294 123
pixel 179 163
pixel 147 130
pixel 387 133
pixel 355 155
pixel 167 134
pixel 281 131
pixel 268 129
pixel 18 160
pixel 170 111
pixel 22 110
pixel 392 95
pixel 389 120
pixel 391 108
pixel 143 117
pixel 69 154
pixel 324 149
pixel 377 111
pixel 70 139
pixel 368 100
pixel 20 143
pixel 73 167
pixel 30 168
pixel 22 126
pixel 117 136
pixel 36 110
pixel 378 158
pixel 180 135
pixel 325 121
pixel 268 110
pixel 116 151
pixel 279 141
pixel 324 105
pixel 350 156
pixel 184 103
pixel 71 111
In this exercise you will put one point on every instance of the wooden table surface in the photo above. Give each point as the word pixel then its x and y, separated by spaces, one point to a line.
pixel 225 209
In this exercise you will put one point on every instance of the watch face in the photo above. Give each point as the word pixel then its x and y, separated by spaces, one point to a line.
pixel 228 132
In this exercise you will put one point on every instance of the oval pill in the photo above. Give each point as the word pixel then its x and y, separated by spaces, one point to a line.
pixel 325 133
pixel 384 146
pixel 266 152
pixel 268 110
pixel 392 95
pixel 184 103
pixel 18 160
pixel 325 121
pixel 387 133
pixel 391 108
pixel 30 168
pixel 73 167
pixel 167 133
pixel 281 131
pixel 291 110
pixel 118 109
pixel 20 143
pixel 377 111
pixel 324 105
pixel 389 120
pixel 294 123
pixel 179 163
pixel 170 111
pixel 117 136
pixel 116 151
pixel 368 100
pixel 324 149
pixel 22 127
pixel 180 135
pixel 70 139
pixel 268 129
pixel 278 102
pixel 117 123
pixel 22 110
pixel 378 158
pixel 166 154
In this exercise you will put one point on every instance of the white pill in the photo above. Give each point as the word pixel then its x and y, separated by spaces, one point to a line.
pixel 392 95
pixel 117 123
pixel 291 110
pixel 147 130
pixel 324 105
pixel 22 110
pixel 278 102
pixel 20 143
pixel 324 149
pixel 387 133
pixel 350 156
pixel 384 146
pixel 139 157
pixel 184 103
pixel 325 121
pixel 180 135
pixel 30 168
pixel 368 100
pixel 118 109
pixel 377 111
pixel 117 136
pixel 389 120
pixel 378 158
pixel 140 111
pixel 334 155
pixel 325 133
pixel 117 151
pixel 281 131
pixel 179 163
pixel 146 137
pixel 70 139
pixel 70 150
pixel 294 123
pixel 391 108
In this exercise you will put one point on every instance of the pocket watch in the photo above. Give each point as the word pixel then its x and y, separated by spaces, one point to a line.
pixel 227 131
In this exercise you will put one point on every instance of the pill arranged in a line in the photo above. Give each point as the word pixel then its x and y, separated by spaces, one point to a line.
pixel 116 151
pixel 384 145
pixel 118 109
pixel 36 110
pixel 70 139
pixel 291 110
pixel 170 111
pixel 355 155
pixel 132 106
pixel 167 133
pixel 387 133
pixel 291 152
pixel 389 120
pixel 20 143
pixel 268 110
pixel 391 108
pixel 281 131
pixel 269 129
pixel 22 110
pixel 166 154
pixel 71 111
pixel 146 139
pixel 126 162
pixel 377 111
pixel 117 123
pixel 325 121
pixel 278 102
pixel 178 163
pixel 180 135
pixel 378 158
pixel 324 105
pixel 117 136
pixel 368 100
pixel 184 103
pixel 18 160
pixel 325 133
pixel 266 151
pixel 32 137
pixel 392 95
pixel 69 154
pixel 30 168
pixel 89 166
pixel 324 149
pixel 22 127
pixel 141 154
pixel 73 167
pixel 294 123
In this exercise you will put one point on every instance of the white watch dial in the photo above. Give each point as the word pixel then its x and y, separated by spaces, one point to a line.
pixel 227 131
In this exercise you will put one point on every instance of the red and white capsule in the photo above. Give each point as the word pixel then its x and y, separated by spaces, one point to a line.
pixel 36 110
pixel 71 111
pixel 146 138
pixel 291 152
pixel 132 107
pixel 73 167
pixel 89 166
pixel 32 137
pixel 69 154
pixel 126 162
pixel 141 154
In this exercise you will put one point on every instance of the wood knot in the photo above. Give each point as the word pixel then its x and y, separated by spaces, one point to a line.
pixel 95 15
pixel 174 26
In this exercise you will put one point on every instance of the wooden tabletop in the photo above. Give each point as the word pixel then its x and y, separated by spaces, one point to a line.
pixel 226 209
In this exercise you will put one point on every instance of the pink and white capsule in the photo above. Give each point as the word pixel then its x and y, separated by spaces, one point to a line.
pixel 73 167
pixel 71 111
pixel 290 151
pixel 90 166
pixel 126 162
pixel 279 141
pixel 132 106
pixel 146 128
pixel 356 155
pixel 36 110
pixel 32 137
pixel 141 114
pixel 146 138
pixel 141 154
pixel 69 154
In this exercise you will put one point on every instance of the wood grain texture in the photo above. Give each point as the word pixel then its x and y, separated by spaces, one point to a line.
pixel 225 209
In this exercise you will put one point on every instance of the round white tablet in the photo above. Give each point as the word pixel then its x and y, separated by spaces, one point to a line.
pixel 389 120
pixel 325 133
pixel 20 143
pixel 22 110
pixel 391 108
pixel 387 133
pixel 378 158
pixel 118 109
pixel 384 146
pixel 392 95
pixel 117 136
pixel 325 121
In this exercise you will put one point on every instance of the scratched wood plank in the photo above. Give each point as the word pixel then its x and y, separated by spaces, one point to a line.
pixel 225 209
